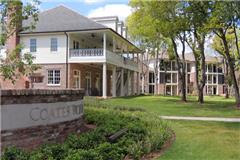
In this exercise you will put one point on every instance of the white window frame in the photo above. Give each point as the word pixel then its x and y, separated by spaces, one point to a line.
pixel 52 47
pixel 53 84
pixel 30 45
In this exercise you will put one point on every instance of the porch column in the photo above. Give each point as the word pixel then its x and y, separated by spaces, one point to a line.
pixel 132 83
pixel 114 81
pixel 104 44
pixel 104 80
pixel 129 82
pixel 122 82
pixel 137 83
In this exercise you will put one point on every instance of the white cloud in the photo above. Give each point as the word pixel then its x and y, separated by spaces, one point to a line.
pixel 93 1
pixel 120 10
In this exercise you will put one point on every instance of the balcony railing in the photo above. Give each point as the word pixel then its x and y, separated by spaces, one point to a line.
pixel 86 52
pixel 97 54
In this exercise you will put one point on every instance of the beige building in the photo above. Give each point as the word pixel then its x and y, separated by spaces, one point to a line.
pixel 168 79
pixel 78 52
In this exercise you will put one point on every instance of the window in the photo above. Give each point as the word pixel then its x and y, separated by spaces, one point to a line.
pixel 54 44
pixel 36 78
pixel 214 79
pixel 33 45
pixel 220 69
pixel 188 67
pixel 188 78
pixel 162 77
pixel 75 45
pixel 168 65
pixel 174 66
pixel 174 78
pixel 77 79
pixel 220 79
pixel 214 68
pixel 151 77
pixel 168 78
pixel 53 76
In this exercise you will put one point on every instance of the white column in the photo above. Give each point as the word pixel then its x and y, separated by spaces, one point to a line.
pixel 104 44
pixel 114 81
pixel 138 83
pixel 129 82
pixel 104 94
pixel 134 83
pixel 143 83
pixel 122 82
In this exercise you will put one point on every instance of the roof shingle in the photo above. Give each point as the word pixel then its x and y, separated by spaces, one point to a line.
pixel 61 18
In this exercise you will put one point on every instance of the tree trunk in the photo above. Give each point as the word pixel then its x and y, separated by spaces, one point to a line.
pixel 226 82
pixel 181 71
pixel 231 67
pixel 156 74
pixel 200 96
pixel 236 40
pixel 201 82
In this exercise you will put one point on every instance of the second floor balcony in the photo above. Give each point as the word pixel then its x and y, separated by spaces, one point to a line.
pixel 100 47
pixel 97 55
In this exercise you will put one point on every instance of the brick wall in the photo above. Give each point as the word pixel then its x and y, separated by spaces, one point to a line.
pixel 43 131
pixel 43 71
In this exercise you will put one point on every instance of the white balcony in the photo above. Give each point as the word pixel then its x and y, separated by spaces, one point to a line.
pixel 96 55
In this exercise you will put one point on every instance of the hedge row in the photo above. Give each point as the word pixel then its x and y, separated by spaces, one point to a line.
pixel 145 133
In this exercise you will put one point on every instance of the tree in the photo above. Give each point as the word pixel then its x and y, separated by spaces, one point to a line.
pixel 164 22
pixel 171 23
pixel 197 15
pixel 12 14
pixel 142 28
pixel 218 46
pixel 224 16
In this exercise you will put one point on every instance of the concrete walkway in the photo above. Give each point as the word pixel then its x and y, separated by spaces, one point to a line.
pixel 219 119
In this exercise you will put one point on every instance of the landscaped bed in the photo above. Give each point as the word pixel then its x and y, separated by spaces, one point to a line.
pixel 141 134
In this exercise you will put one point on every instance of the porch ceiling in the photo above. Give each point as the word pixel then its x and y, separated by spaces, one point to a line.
pixel 122 44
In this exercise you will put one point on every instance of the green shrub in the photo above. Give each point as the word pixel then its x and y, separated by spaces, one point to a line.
pixel 51 151
pixel 83 155
pixel 110 151
pixel 85 141
pixel 14 153
pixel 146 133
pixel 135 150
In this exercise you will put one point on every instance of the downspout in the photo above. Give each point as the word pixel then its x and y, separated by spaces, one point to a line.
pixel 66 59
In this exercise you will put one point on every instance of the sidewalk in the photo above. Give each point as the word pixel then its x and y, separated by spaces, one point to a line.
pixel 219 119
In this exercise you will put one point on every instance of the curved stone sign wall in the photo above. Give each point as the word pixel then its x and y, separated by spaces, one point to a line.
pixel 39 116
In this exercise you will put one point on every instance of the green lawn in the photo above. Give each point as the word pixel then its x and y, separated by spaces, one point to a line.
pixel 204 141
pixel 195 140
pixel 164 105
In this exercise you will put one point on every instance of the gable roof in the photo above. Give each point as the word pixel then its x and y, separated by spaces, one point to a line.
pixel 61 18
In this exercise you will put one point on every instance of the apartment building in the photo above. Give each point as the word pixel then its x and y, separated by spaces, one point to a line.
pixel 168 78
pixel 74 51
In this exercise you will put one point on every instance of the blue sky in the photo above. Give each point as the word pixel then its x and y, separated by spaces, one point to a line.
pixel 91 8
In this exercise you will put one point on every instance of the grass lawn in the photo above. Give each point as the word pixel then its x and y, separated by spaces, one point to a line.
pixel 195 140
pixel 215 106
pixel 204 141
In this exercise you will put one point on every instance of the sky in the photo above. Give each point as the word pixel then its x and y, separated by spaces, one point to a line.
pixel 92 8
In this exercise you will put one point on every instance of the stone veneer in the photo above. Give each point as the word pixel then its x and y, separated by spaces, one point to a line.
pixel 32 136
